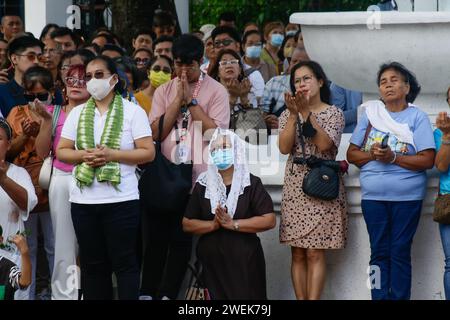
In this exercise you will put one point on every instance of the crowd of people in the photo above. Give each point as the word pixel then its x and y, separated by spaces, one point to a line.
pixel 102 116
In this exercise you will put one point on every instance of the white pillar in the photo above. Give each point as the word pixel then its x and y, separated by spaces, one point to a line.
pixel 40 12
pixel 183 14
pixel 35 16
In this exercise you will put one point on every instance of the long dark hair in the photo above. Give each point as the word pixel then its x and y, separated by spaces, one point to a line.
pixel 214 73
pixel 408 76
pixel 318 73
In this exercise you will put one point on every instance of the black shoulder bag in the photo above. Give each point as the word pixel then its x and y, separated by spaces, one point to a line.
pixel 322 181
pixel 164 185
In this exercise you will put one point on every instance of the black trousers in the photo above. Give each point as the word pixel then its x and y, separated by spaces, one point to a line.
pixel 107 235
pixel 167 250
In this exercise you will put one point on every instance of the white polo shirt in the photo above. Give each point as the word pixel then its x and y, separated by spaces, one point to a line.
pixel 135 126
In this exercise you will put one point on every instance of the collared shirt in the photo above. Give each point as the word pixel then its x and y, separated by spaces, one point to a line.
pixel 348 101
pixel 275 89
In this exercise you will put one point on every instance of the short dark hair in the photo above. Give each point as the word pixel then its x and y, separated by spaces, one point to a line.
pixel 227 16
pixel 126 64
pixel 163 18
pixel 107 36
pixel 112 47
pixel 64 31
pixel 249 33
pixel 112 68
pixel 38 74
pixel 20 44
pixel 143 50
pixel 146 32
pixel 318 72
pixel 46 29
pixel 85 54
pixel 155 58
pixel 163 38
pixel 95 46
pixel 188 48
pixel 232 32
pixel 408 76
pixel 214 73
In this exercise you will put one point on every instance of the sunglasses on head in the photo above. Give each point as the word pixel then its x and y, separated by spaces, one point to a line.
pixel 164 69
pixel 96 75
pixel 30 97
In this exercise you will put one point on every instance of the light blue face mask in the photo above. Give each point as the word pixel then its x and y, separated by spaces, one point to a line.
pixel 277 39
pixel 291 33
pixel 223 158
pixel 253 51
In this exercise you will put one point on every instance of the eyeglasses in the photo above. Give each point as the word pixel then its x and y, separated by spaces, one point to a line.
pixel 225 63
pixel 164 69
pixel 306 79
pixel 75 82
pixel 65 67
pixel 225 42
pixel 32 56
pixel 30 97
pixel 144 61
pixel 97 75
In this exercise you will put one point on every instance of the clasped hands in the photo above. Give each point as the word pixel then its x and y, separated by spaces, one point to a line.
pixel 298 103
pixel 385 155
pixel 222 219
pixel 98 156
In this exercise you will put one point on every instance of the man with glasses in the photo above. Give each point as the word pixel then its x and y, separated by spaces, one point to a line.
pixel 23 52
pixel 195 103
pixel 228 38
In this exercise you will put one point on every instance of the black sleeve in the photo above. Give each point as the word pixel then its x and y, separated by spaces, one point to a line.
pixel 260 202
pixel 194 209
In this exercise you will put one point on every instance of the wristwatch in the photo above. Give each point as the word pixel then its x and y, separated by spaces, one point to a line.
pixel 236 226
pixel 193 103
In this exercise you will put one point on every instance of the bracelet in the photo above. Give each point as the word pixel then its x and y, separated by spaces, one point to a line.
pixel 445 142
pixel 395 158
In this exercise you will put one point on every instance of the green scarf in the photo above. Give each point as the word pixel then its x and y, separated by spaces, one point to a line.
pixel 111 138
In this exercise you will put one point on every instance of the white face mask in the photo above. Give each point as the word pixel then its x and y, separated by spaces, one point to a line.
pixel 99 88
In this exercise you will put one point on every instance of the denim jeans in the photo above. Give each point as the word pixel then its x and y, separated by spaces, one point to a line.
pixel 445 238
pixel 391 226
pixel 107 236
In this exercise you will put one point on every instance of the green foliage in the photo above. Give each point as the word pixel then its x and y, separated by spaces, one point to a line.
pixel 261 11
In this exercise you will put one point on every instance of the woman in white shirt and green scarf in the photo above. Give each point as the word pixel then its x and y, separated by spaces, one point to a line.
pixel 105 139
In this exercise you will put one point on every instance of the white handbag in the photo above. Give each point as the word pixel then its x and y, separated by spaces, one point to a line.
pixel 45 174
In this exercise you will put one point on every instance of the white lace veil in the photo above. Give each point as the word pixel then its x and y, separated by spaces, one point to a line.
pixel 215 188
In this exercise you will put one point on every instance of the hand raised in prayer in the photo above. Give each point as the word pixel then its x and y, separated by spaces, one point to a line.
pixel 233 87
pixel 443 123
pixel 290 103
pixel 224 218
pixel 30 127
pixel 187 95
pixel 41 110
pixel 245 87
pixel 302 103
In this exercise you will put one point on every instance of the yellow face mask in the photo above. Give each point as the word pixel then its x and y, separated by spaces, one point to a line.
pixel 288 52
pixel 158 78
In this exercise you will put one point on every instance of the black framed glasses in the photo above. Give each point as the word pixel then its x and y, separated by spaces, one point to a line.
pixel 97 75
pixel 30 97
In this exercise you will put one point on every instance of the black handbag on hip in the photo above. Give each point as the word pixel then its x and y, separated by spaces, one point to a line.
pixel 322 181
pixel 164 185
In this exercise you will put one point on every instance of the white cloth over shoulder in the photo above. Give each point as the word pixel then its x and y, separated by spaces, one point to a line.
pixel 216 190
pixel 380 119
